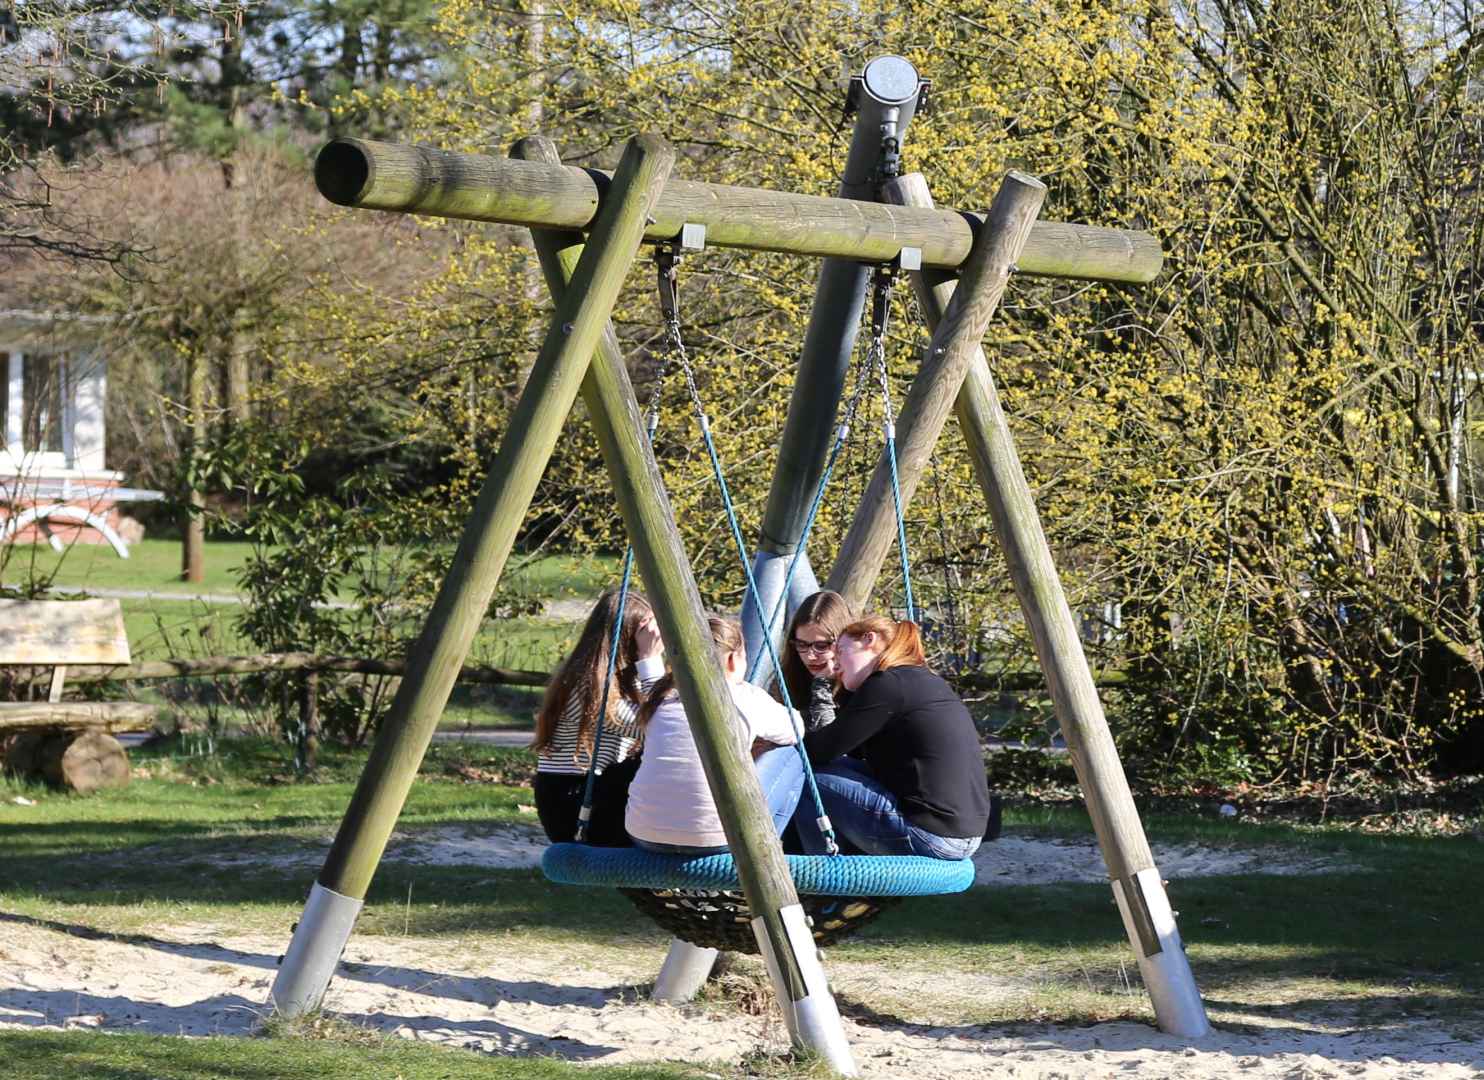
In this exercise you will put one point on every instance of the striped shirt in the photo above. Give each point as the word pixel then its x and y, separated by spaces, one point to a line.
pixel 620 728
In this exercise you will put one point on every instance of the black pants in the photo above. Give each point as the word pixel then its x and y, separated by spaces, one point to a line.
pixel 559 799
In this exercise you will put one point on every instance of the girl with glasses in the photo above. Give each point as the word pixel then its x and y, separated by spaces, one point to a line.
pixel 809 669
pixel 900 771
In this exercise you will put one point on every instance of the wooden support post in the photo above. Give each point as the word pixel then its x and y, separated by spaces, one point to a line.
pixel 956 340
pixel 1137 886
pixel 422 180
pixel 671 589
pixel 193 521
pixel 434 661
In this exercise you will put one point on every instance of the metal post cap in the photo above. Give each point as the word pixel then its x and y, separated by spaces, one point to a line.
pixel 891 80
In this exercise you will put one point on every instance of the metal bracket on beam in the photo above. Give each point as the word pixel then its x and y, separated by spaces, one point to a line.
pixel 909 258
pixel 692 237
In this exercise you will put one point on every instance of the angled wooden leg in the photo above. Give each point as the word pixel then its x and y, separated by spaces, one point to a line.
pixel 784 938
pixel 1137 885
pixel 433 664
pixel 929 402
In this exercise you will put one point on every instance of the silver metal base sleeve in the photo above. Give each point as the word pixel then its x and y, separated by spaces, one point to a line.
pixel 319 939
pixel 813 1021
pixel 804 585
pixel 768 570
pixel 683 973
pixel 1152 932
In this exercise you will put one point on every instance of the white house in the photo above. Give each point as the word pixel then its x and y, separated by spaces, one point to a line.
pixel 55 484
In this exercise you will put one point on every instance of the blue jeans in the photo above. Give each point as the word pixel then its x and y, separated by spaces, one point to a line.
pixel 781 774
pixel 865 816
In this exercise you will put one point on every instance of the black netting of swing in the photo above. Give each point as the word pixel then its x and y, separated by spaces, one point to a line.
pixel 721 920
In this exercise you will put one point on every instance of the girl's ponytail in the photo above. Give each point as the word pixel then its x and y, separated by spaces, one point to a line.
pixel 726 636
pixel 902 638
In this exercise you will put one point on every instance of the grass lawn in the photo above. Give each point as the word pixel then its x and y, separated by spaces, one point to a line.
pixel 154 566
pixel 1390 928
pixel 54 1055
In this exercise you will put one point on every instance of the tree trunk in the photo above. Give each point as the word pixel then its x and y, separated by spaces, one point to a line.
pixel 84 763
pixel 308 749
pixel 193 528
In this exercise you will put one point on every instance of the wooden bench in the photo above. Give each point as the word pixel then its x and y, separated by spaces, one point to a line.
pixel 67 742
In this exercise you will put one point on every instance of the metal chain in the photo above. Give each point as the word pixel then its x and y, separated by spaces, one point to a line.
pixel 881 286
pixel 667 261
pixel 881 289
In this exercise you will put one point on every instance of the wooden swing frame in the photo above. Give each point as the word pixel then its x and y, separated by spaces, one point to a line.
pixel 587 227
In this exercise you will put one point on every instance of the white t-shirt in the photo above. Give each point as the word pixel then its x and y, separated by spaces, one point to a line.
pixel 669 799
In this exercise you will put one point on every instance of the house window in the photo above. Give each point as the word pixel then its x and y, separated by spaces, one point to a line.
pixel 41 408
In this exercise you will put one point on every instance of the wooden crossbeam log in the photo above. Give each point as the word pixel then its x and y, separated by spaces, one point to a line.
pixel 423 180
pixel 102 715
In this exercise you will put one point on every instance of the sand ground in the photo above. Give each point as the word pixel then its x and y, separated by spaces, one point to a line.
pixel 513 997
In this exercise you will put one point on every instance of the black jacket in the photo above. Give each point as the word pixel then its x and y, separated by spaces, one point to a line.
pixel 909 726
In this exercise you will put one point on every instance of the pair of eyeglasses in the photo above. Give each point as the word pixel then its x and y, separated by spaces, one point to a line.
pixel 818 648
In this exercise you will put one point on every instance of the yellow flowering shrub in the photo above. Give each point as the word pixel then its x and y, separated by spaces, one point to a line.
pixel 1256 472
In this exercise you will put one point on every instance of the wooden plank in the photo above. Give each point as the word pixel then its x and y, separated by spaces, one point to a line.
pixel 444 183
pixel 59 678
pixel 62 632
pixel 207 666
pixel 103 715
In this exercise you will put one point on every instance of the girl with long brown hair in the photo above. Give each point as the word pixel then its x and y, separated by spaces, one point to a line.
pixel 567 725
pixel 900 771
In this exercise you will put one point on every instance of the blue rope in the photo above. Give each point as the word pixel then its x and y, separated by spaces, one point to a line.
pixel 881 309
pixel 726 499
pixel 584 815
pixel 841 434
pixel 670 308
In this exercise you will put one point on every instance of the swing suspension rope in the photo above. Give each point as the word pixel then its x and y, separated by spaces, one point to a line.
pixel 880 310
pixel 666 260
pixel 585 814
